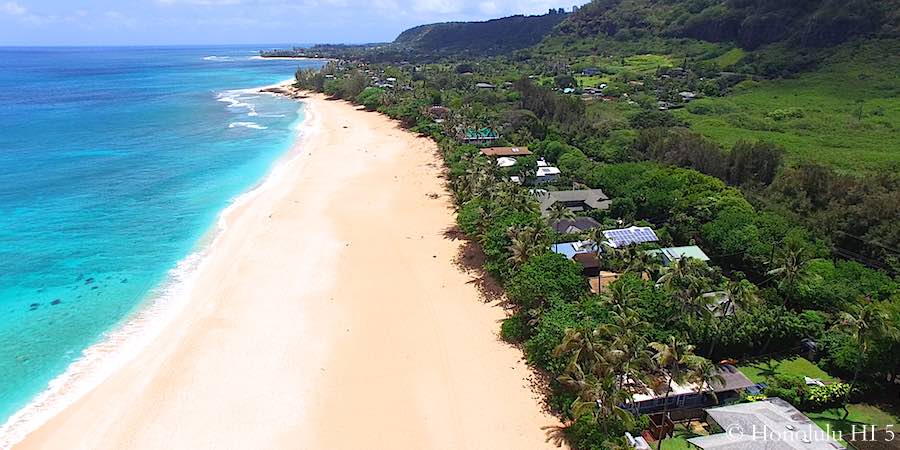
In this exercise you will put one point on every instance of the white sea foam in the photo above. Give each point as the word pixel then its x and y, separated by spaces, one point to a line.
pixel 251 125
pixel 217 58
pixel 238 99
pixel 123 344
pixel 260 58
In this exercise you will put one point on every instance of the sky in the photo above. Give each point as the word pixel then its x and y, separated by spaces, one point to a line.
pixel 181 22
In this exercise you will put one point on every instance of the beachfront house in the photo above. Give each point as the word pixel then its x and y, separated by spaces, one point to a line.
pixel 577 225
pixel 546 173
pixel 507 152
pixel 672 254
pixel 632 235
pixel 582 252
pixel 506 156
pixel 744 426
pixel 688 395
pixel 438 113
pixel 577 201
pixel 479 136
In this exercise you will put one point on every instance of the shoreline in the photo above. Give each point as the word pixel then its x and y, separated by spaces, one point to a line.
pixel 335 286
pixel 150 316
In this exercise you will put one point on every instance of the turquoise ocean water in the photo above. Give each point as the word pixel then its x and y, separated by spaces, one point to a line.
pixel 114 164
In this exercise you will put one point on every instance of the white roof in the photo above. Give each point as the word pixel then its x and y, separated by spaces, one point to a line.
pixel 771 424
pixel 547 171
pixel 506 161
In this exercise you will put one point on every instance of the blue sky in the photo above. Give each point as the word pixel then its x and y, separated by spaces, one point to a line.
pixel 135 22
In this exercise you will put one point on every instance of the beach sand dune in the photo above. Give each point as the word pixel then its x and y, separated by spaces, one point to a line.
pixel 329 315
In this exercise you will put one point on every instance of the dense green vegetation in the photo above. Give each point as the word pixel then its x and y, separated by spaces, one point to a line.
pixel 779 190
pixel 846 114
pixel 492 37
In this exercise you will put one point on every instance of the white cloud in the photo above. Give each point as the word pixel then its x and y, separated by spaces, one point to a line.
pixel 488 7
pixel 437 6
pixel 13 9
pixel 202 2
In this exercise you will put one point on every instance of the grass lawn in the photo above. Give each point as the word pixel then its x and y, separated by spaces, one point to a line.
pixel 679 440
pixel 860 414
pixel 728 58
pixel 846 114
pixel 589 81
pixel 611 66
pixel 760 371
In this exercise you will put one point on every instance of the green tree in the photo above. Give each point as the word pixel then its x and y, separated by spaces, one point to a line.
pixel 867 322
pixel 527 241
pixel 676 360
pixel 559 212
pixel 792 267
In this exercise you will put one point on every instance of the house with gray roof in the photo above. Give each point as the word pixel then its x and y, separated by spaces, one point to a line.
pixel 771 424
pixel 578 201
pixel 651 398
pixel 577 225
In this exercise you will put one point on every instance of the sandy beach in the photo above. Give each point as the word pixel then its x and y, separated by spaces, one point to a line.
pixel 330 315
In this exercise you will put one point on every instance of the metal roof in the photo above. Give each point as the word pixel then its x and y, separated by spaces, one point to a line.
pixel 675 253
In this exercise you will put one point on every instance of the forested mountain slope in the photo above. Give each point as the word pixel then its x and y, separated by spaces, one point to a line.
pixel 749 23
pixel 480 38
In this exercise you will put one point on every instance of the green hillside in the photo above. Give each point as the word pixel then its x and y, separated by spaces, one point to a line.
pixel 816 77
pixel 491 37
pixel 845 114
pixel 748 23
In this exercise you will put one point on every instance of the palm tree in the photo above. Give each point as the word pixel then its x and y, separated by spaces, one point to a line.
pixel 640 261
pixel 621 294
pixel 559 212
pixel 687 279
pixel 739 294
pixel 792 268
pixel 676 360
pixel 705 374
pixel 527 242
pixel 683 273
pixel 593 375
pixel 867 322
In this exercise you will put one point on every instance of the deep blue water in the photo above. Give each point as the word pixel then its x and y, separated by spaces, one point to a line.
pixel 114 163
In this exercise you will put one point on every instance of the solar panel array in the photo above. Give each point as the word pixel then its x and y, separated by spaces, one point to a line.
pixel 627 236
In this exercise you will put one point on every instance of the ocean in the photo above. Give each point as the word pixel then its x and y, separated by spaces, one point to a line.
pixel 114 166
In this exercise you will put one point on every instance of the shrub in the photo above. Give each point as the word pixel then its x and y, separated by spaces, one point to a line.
pixel 548 333
pixel 790 388
pixel 370 97
pixel 828 396
pixel 785 113
pixel 469 216
pixel 544 277
pixel 515 329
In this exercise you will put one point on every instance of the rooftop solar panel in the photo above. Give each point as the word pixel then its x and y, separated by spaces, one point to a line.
pixel 628 236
